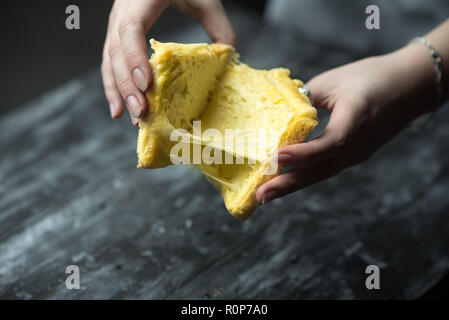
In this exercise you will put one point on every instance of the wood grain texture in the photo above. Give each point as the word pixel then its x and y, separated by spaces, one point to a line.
pixel 70 194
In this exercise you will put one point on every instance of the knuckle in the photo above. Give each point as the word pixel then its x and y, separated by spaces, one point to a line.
pixel 133 55
pixel 340 141
pixel 114 49
pixel 109 87
pixel 128 23
pixel 124 84
pixel 290 183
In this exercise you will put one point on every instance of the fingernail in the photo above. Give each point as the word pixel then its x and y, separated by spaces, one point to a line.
pixel 268 196
pixel 113 109
pixel 139 79
pixel 134 106
pixel 285 159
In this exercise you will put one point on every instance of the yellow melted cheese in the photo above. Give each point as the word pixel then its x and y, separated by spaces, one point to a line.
pixel 201 82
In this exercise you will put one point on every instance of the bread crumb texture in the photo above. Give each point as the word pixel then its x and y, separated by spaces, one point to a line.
pixel 252 113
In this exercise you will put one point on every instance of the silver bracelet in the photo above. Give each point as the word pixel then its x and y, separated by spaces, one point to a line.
pixel 437 60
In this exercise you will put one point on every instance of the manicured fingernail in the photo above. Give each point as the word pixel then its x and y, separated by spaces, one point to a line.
pixel 113 110
pixel 268 196
pixel 134 106
pixel 285 159
pixel 139 79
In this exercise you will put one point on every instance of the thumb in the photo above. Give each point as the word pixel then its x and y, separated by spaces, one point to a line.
pixel 320 91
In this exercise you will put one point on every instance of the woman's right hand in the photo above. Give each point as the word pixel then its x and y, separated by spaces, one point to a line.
pixel 125 69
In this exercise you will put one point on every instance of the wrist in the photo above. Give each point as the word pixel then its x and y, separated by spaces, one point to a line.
pixel 412 77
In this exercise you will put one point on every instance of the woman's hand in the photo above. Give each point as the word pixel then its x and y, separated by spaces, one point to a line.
pixel 125 69
pixel 370 102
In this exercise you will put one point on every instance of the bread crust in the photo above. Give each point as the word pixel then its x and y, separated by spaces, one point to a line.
pixel 153 147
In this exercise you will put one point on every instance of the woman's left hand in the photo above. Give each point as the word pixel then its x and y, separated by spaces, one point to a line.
pixel 370 100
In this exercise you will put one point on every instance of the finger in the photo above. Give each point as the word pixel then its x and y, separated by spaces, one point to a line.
pixel 212 16
pixel 133 97
pixel 319 93
pixel 217 24
pixel 140 17
pixel 330 143
pixel 296 179
pixel 308 153
pixel 132 36
pixel 112 94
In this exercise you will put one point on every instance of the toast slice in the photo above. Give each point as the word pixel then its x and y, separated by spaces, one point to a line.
pixel 223 110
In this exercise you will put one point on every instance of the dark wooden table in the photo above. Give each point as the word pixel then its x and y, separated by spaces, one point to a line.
pixel 70 194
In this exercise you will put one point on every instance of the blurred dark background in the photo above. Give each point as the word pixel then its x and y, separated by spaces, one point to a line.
pixel 39 53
